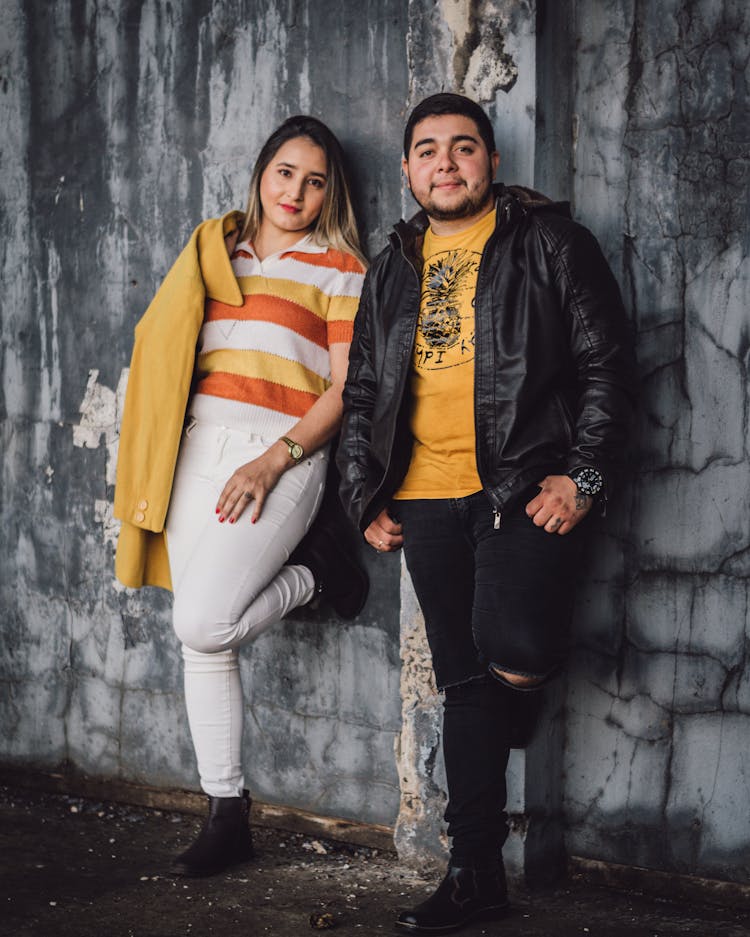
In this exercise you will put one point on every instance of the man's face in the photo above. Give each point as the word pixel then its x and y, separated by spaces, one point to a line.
pixel 449 170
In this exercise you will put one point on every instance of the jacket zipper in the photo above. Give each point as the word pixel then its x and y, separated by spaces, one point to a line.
pixel 497 513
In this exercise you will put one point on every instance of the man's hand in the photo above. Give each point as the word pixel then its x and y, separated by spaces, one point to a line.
pixel 559 506
pixel 384 534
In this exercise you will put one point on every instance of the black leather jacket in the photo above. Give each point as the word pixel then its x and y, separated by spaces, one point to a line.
pixel 554 375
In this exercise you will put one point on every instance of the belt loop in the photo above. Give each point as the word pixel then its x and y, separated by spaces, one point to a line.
pixel 191 424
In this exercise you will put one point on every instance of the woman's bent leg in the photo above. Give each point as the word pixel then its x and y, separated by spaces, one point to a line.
pixel 230 582
pixel 230 585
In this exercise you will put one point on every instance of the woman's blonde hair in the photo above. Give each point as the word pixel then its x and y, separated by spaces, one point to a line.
pixel 336 225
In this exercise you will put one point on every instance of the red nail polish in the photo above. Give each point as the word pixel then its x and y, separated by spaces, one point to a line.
pixel 218 510
pixel 254 520
pixel 221 519
pixel 232 520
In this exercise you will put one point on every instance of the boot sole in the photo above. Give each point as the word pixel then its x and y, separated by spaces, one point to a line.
pixel 493 913
pixel 186 871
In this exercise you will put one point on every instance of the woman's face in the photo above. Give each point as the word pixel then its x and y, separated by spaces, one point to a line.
pixel 293 185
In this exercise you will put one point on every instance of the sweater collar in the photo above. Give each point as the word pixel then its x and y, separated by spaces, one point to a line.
pixel 214 257
pixel 306 245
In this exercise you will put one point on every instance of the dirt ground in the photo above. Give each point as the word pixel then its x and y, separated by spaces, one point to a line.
pixel 75 868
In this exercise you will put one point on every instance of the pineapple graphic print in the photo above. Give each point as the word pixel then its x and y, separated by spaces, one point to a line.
pixel 443 460
pixel 445 329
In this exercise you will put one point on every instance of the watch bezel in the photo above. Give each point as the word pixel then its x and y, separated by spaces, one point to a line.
pixel 296 451
pixel 585 483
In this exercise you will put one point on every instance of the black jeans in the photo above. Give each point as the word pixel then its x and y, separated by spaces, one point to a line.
pixel 490 597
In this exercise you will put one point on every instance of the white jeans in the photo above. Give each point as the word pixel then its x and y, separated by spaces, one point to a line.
pixel 230 583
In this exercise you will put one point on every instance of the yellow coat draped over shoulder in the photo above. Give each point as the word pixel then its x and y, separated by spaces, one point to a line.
pixel 161 373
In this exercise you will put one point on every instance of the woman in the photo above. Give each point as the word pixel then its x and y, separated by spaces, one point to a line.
pixel 245 346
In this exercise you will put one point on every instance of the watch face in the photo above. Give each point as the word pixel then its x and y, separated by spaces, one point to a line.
pixel 296 451
pixel 588 480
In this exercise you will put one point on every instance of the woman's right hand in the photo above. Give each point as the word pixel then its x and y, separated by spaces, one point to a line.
pixel 384 534
pixel 252 482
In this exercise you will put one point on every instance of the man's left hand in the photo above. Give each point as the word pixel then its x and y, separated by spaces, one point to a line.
pixel 559 506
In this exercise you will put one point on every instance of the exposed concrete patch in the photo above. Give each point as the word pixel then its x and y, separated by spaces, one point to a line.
pixel 101 411
pixel 49 365
pixel 481 64
pixel 124 125
pixel 419 833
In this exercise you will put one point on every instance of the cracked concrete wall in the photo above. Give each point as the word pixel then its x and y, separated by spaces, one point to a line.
pixel 639 115
pixel 124 124
pixel 658 762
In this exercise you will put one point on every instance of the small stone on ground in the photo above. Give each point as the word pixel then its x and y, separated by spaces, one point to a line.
pixel 75 868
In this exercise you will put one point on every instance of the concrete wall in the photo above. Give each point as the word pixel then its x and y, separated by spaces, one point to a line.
pixel 124 125
pixel 658 760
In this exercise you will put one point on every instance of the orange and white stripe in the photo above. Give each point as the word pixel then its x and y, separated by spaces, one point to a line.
pixel 262 365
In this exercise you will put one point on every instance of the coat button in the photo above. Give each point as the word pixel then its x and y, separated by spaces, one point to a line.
pixel 140 516
pixel 142 505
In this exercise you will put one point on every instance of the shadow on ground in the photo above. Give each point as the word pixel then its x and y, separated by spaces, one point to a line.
pixel 74 868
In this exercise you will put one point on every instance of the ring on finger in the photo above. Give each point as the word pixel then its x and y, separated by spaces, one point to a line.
pixel 248 495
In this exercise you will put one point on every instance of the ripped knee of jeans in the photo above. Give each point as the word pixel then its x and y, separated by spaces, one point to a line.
pixel 519 680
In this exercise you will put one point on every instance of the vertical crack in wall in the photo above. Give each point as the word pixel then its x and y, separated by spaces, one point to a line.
pixel 658 159
pixel 451 45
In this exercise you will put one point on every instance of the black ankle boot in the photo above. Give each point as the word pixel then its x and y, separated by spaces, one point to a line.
pixel 464 895
pixel 339 576
pixel 225 839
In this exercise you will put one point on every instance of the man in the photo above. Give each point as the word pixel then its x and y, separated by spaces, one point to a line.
pixel 487 403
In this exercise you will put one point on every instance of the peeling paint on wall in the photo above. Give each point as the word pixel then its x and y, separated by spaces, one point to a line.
pixel 101 411
pixel 420 835
pixel 125 124
pixel 481 64
pixel 457 45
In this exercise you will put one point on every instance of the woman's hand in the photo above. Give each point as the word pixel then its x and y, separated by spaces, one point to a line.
pixel 251 483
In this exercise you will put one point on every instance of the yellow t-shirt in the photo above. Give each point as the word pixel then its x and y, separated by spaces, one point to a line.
pixel 443 460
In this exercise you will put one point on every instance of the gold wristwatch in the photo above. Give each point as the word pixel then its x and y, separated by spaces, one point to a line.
pixel 296 452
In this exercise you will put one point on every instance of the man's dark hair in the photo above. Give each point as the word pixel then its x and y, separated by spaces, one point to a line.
pixel 446 103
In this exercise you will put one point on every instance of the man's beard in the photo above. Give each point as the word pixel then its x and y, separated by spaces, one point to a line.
pixel 470 205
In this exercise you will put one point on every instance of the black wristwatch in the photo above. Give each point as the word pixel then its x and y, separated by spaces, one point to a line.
pixel 296 452
pixel 589 481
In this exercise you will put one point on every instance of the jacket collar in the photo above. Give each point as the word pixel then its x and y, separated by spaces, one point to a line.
pixel 511 204
pixel 213 258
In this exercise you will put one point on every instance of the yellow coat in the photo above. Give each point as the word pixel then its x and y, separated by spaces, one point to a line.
pixel 161 372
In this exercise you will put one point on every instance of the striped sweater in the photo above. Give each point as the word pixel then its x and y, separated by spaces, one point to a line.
pixel 262 365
